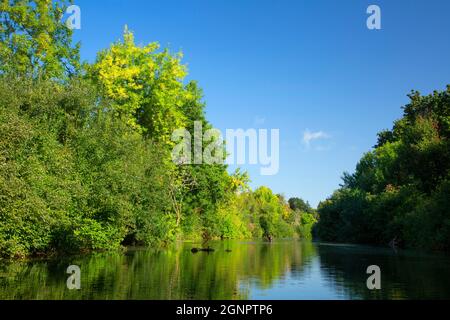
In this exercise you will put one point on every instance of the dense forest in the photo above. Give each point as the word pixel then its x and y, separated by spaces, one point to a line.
pixel 400 191
pixel 85 148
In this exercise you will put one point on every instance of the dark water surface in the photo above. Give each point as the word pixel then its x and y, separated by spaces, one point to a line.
pixel 284 269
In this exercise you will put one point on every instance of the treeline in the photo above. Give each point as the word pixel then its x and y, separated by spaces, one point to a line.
pixel 85 149
pixel 400 191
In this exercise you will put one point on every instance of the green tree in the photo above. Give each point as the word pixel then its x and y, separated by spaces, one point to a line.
pixel 34 41
pixel 145 86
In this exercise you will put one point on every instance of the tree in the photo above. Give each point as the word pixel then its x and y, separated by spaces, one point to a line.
pixel 33 40
pixel 145 86
pixel 300 205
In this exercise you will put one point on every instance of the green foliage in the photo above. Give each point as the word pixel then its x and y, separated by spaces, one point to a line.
pixel 74 177
pixel 145 86
pixel 399 191
pixel 39 184
pixel 264 214
pixel 33 41
pixel 300 205
pixel 306 225
pixel 85 154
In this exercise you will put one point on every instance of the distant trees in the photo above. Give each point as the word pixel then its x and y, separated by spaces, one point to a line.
pixel 300 205
pixel 265 214
pixel 304 217
pixel 400 190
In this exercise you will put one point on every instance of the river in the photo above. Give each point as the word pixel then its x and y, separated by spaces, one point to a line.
pixel 283 269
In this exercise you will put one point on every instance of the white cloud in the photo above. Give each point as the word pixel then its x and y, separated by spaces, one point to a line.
pixel 309 136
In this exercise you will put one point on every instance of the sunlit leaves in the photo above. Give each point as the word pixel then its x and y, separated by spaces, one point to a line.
pixel 34 41
pixel 146 86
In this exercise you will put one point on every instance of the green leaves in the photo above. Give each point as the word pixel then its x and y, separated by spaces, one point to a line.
pixel 85 154
pixel 394 191
pixel 146 86
pixel 34 42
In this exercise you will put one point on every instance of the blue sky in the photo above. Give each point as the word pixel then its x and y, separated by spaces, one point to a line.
pixel 299 66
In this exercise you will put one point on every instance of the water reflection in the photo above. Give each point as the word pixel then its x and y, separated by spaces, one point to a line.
pixel 285 269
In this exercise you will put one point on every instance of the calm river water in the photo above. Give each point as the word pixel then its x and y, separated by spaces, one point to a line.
pixel 284 269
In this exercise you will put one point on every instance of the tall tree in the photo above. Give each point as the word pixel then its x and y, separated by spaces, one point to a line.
pixel 145 86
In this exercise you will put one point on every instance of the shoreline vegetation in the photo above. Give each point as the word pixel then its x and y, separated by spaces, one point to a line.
pixel 85 149
pixel 85 157
pixel 399 194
